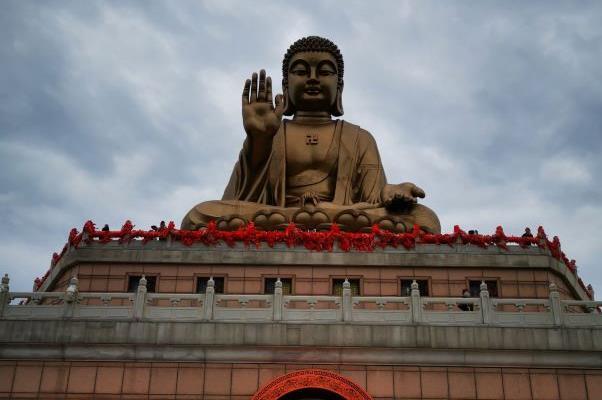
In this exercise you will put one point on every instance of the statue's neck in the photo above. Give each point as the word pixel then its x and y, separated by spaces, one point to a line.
pixel 312 117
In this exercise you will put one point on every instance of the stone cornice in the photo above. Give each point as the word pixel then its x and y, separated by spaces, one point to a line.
pixel 423 255
pixel 304 343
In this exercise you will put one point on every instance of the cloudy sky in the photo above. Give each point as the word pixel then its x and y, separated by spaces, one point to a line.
pixel 131 110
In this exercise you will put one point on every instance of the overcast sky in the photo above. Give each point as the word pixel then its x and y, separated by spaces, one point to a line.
pixel 131 110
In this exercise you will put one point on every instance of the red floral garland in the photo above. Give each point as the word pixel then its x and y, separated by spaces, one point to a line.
pixel 312 240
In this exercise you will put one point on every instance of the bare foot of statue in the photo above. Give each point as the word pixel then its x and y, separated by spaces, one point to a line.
pixel 312 170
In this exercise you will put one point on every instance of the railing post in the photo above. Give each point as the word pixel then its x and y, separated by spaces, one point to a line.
pixel 555 305
pixel 347 306
pixel 277 302
pixel 4 295
pixel 416 303
pixel 485 303
pixel 70 297
pixel 140 300
pixel 209 300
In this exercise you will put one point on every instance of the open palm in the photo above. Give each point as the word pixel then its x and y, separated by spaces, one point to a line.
pixel 261 118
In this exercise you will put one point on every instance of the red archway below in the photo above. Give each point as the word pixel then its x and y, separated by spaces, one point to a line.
pixel 311 378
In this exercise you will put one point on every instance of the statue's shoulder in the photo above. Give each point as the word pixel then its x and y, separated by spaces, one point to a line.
pixel 363 136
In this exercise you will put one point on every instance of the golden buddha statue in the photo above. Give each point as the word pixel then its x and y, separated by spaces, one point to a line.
pixel 312 170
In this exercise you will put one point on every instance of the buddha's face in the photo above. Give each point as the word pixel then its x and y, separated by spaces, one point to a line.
pixel 312 81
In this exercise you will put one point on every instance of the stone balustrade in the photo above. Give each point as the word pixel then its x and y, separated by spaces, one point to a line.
pixel 209 306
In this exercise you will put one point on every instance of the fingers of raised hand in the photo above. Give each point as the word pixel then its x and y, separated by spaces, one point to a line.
pixel 279 110
pixel 245 92
pixel 261 93
pixel 268 90
pixel 253 87
pixel 258 88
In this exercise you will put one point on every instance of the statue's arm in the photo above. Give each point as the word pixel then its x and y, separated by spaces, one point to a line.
pixel 372 183
pixel 246 180
pixel 370 175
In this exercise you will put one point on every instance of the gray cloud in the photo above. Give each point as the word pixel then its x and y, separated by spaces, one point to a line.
pixel 115 110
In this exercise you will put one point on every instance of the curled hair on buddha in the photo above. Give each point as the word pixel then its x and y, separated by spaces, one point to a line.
pixel 314 43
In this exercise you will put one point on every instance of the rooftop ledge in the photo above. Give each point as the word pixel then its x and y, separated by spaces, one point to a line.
pixel 248 246
pixel 238 253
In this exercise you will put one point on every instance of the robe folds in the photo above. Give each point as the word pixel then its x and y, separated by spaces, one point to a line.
pixel 359 179
pixel 359 174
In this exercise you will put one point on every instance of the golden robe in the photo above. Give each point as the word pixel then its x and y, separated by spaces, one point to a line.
pixel 360 179
pixel 359 174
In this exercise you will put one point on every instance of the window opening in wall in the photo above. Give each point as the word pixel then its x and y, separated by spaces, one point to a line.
pixel 337 287
pixel 134 281
pixel 475 288
pixel 201 284
pixel 423 286
pixel 270 285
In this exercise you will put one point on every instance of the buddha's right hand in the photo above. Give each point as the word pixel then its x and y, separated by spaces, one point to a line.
pixel 260 117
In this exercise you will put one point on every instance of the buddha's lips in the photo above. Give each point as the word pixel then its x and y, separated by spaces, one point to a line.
pixel 313 91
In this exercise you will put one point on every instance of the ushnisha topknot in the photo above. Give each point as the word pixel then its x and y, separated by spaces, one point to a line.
pixel 313 43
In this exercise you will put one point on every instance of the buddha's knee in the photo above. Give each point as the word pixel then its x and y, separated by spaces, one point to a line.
pixel 426 218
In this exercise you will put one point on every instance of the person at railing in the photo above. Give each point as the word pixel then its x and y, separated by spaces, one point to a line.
pixel 106 228
pixel 159 228
pixel 527 233
pixel 465 306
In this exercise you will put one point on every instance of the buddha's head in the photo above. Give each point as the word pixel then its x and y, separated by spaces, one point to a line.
pixel 312 77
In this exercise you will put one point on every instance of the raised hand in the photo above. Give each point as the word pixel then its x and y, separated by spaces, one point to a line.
pixel 261 119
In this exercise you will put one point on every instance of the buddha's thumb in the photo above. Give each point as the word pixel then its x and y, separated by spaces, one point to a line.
pixel 279 105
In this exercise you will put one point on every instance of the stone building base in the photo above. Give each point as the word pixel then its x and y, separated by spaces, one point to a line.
pixel 213 381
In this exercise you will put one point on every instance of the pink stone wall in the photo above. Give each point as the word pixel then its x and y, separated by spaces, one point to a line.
pixel 120 380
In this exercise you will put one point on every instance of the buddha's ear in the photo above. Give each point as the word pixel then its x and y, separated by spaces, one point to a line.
pixel 337 109
pixel 288 104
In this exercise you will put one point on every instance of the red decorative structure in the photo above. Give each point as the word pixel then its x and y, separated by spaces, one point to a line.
pixel 312 240
pixel 311 379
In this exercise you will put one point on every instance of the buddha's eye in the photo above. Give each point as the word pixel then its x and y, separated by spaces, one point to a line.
pixel 299 71
pixel 326 69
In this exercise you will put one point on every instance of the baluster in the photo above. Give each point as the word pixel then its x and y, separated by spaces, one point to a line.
pixel 140 300
pixel 485 303
pixel 36 298
pixel 277 303
pixel 71 297
pixel 106 299
pixel 416 303
pixel 347 306
pixel 208 304
pixel 555 305
pixel 4 294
